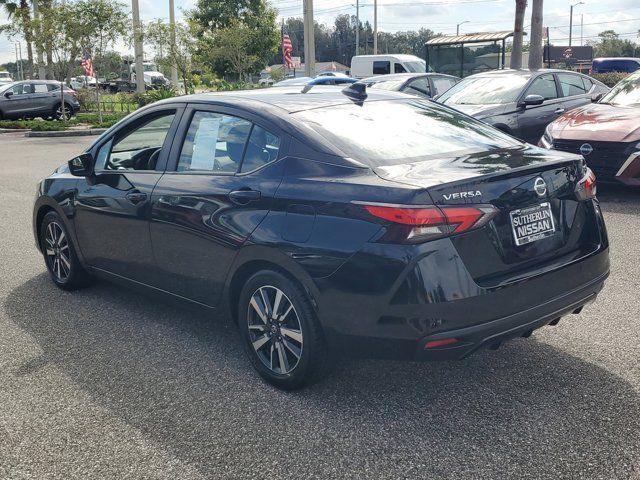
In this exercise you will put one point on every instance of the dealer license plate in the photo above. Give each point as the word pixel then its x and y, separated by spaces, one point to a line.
pixel 532 223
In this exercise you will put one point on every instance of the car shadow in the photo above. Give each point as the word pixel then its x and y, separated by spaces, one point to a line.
pixel 181 377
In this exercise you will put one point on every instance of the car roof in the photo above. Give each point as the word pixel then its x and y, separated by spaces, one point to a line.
pixel 600 59
pixel 284 99
pixel 403 76
pixel 399 56
pixel 520 73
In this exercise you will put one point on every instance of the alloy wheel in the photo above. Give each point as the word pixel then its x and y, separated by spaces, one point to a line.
pixel 57 251
pixel 67 112
pixel 274 329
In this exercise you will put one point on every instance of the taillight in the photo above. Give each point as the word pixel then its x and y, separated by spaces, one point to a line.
pixel 586 187
pixel 416 224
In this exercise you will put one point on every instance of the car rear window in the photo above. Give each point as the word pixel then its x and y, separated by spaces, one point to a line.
pixel 380 133
pixel 485 90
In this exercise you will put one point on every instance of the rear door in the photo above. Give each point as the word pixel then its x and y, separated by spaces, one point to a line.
pixel 41 99
pixel 222 175
pixel 532 120
pixel 574 90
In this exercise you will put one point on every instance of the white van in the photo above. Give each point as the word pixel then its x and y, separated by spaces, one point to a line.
pixel 363 66
pixel 5 77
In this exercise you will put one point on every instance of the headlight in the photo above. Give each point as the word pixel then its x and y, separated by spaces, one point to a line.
pixel 547 140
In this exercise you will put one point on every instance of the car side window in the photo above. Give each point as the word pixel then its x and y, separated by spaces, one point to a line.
pixel 588 84
pixel 16 89
pixel 140 148
pixel 381 67
pixel 214 143
pixel 40 88
pixel 398 68
pixel 262 148
pixel 419 86
pixel 571 84
pixel 442 84
pixel 545 86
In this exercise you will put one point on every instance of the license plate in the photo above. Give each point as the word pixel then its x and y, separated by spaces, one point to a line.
pixel 532 223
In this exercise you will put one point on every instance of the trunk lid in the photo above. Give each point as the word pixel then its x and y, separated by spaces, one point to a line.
pixel 540 224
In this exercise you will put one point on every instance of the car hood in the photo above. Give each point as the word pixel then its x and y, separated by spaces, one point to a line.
pixel 598 122
pixel 432 172
pixel 479 111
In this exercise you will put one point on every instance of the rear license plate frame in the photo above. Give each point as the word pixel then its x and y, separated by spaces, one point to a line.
pixel 545 213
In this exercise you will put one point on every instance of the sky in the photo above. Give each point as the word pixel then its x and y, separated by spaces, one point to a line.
pixel 441 16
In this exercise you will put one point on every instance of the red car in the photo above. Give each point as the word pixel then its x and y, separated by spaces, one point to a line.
pixel 606 133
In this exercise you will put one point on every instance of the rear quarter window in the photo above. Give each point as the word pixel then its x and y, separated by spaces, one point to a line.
pixel 381 68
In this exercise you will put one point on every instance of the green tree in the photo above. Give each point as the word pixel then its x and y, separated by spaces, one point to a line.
pixel 609 44
pixel 176 43
pixel 212 20
pixel 19 12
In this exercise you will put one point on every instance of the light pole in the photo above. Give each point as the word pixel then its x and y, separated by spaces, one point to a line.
pixel 571 19
pixel 458 26
pixel 137 46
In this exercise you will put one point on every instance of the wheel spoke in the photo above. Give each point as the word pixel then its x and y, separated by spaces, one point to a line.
pixel 282 358
pixel 292 334
pixel 257 327
pixel 266 302
pixel 292 348
pixel 65 261
pixel 61 238
pixel 50 252
pixel 276 303
pixel 260 342
pixel 258 309
pixel 285 314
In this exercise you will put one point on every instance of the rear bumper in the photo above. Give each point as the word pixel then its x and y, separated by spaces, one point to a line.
pixel 493 333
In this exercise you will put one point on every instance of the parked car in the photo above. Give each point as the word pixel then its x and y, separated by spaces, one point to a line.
pixel 375 222
pixel 83 81
pixel 325 80
pixel 618 64
pixel 606 133
pixel 364 66
pixel 5 77
pixel 521 102
pixel 36 98
pixel 426 85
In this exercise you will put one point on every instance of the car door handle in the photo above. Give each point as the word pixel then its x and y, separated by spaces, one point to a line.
pixel 244 196
pixel 558 111
pixel 136 197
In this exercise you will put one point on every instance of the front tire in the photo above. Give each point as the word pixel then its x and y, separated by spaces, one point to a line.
pixel 280 332
pixel 68 111
pixel 60 255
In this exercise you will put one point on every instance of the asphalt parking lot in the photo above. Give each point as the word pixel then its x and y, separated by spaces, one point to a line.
pixel 106 383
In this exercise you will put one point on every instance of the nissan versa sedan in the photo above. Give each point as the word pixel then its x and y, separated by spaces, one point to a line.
pixel 374 222
pixel 522 102
pixel 606 133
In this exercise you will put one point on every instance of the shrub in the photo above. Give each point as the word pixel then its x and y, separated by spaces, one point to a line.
pixel 53 126
pixel 611 78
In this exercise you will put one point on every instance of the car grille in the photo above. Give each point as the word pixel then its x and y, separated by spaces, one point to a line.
pixel 605 159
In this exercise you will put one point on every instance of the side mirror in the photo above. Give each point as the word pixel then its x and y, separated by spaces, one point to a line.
pixel 82 165
pixel 596 98
pixel 531 100
pixel 8 94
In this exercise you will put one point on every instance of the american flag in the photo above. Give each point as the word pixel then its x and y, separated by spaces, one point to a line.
pixel 87 64
pixel 287 50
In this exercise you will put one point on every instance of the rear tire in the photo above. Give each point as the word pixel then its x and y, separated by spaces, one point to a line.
pixel 280 332
pixel 60 254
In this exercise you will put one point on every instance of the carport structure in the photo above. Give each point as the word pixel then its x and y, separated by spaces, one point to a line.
pixel 464 55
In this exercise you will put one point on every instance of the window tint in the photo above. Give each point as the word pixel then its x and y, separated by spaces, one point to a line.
pixel 398 132
pixel 545 86
pixel 398 68
pixel 442 84
pixel 419 86
pixel 214 143
pixel 381 68
pixel 571 84
pixel 262 148
pixel 139 149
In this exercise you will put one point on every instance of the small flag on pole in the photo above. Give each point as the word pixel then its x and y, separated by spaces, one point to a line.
pixel 287 50
pixel 87 64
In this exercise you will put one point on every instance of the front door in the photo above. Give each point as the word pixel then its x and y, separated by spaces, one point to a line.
pixel 16 104
pixel 225 174
pixel 534 119
pixel 113 209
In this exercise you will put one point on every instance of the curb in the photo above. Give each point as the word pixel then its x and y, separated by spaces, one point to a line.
pixel 67 133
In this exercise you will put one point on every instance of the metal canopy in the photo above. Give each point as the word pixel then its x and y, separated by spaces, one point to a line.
pixel 471 38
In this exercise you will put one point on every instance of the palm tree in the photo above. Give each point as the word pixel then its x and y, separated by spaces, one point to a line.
pixel 516 51
pixel 535 45
pixel 22 11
